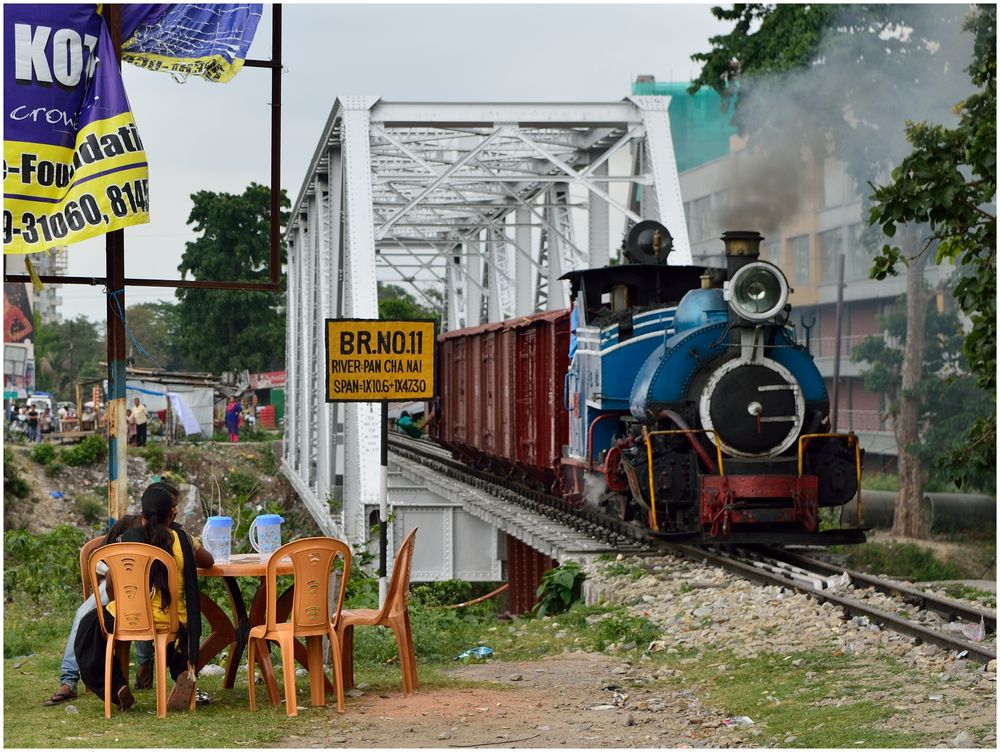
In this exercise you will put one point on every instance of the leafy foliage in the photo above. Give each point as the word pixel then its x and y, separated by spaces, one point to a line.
pixel 560 589
pixel 395 304
pixel 231 330
pixel 90 451
pixel 67 353
pixel 949 182
pixel 42 454
pixel 948 399
pixel 154 327
pixel 13 484
pixel 46 566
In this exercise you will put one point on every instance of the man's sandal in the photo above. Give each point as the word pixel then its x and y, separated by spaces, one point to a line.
pixel 63 694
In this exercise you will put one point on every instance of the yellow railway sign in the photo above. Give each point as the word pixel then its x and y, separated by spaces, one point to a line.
pixel 369 360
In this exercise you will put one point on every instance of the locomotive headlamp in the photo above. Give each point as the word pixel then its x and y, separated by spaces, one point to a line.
pixel 757 291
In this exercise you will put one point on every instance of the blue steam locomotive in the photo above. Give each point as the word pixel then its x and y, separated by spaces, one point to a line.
pixel 691 407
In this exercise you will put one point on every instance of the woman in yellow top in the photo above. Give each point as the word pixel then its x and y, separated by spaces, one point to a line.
pixel 159 509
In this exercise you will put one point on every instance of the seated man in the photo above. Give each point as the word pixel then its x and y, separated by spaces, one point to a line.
pixel 407 425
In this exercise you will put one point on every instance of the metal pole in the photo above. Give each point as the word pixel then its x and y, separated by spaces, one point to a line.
pixel 383 513
pixel 275 265
pixel 836 344
pixel 115 271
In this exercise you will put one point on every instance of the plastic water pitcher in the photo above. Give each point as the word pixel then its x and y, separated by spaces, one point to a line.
pixel 217 536
pixel 265 534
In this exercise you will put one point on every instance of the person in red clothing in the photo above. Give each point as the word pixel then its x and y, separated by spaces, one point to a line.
pixel 233 412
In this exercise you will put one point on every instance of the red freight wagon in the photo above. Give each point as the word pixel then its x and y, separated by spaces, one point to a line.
pixel 501 394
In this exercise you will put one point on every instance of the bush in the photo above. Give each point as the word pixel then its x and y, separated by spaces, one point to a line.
pixel 268 463
pixel 43 454
pixel 45 566
pixel 54 468
pixel 154 457
pixel 13 484
pixel 560 589
pixel 242 484
pixel 92 509
pixel 90 451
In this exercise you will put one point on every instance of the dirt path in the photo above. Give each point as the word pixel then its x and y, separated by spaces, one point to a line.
pixel 567 701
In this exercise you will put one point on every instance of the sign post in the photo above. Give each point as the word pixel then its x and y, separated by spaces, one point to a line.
pixel 368 360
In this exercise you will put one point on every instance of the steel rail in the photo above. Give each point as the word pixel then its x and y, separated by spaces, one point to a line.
pixel 885 619
pixel 945 606
pixel 599 526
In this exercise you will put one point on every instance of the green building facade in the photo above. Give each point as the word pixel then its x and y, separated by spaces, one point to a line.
pixel 700 128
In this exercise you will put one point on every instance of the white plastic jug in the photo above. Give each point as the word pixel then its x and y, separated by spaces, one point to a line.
pixel 268 534
pixel 217 536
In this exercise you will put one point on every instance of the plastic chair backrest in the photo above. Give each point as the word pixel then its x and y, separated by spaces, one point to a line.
pixel 399 586
pixel 85 552
pixel 129 566
pixel 312 560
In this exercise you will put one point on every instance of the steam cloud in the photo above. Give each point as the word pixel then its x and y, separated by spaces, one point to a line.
pixel 865 87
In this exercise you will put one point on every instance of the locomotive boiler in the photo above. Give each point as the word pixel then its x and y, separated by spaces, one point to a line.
pixel 675 397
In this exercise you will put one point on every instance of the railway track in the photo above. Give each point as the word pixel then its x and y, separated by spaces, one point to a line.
pixel 851 591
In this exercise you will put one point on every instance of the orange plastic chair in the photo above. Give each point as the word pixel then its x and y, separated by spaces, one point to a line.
pixel 129 565
pixel 310 617
pixel 85 552
pixel 394 614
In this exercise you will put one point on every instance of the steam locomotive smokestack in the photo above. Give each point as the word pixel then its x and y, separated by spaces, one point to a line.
pixel 742 247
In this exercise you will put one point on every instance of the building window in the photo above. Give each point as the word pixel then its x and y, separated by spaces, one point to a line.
pixel 838 187
pixel 798 257
pixel 831 245
pixel 859 258
pixel 702 215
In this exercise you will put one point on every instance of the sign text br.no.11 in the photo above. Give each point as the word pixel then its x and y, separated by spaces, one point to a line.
pixel 369 360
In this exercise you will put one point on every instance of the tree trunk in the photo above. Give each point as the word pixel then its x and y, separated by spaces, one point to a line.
pixel 909 519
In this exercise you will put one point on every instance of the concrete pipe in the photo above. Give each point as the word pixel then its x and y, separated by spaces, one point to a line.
pixel 945 511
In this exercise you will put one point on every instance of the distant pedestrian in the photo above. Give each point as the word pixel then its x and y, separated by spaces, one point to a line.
pixel 132 428
pixel 33 433
pixel 233 412
pixel 141 417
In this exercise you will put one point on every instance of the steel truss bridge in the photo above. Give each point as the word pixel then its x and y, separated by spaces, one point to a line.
pixel 476 209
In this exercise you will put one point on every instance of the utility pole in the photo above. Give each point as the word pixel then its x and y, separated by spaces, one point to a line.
pixel 115 270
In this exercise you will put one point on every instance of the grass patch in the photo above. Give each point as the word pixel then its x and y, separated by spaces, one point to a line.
pixel 967 593
pixel 616 568
pixel 225 722
pixel 906 560
pixel 812 701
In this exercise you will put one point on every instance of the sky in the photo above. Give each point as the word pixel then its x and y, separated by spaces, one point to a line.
pixel 209 136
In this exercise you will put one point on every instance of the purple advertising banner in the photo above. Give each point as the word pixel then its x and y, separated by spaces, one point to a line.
pixel 74 165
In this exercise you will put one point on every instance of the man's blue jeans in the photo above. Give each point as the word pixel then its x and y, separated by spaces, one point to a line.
pixel 70 670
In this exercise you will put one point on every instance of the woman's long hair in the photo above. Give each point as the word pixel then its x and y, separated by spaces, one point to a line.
pixel 157 504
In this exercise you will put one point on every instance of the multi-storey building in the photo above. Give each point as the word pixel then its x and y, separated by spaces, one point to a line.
pixel 47 303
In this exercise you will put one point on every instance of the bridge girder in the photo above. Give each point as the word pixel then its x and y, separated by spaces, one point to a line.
pixel 475 208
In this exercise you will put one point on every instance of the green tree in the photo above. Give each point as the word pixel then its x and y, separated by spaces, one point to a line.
pixel 841 80
pixel 66 353
pixel 231 330
pixel 395 304
pixel 949 181
pixel 948 399
pixel 153 343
